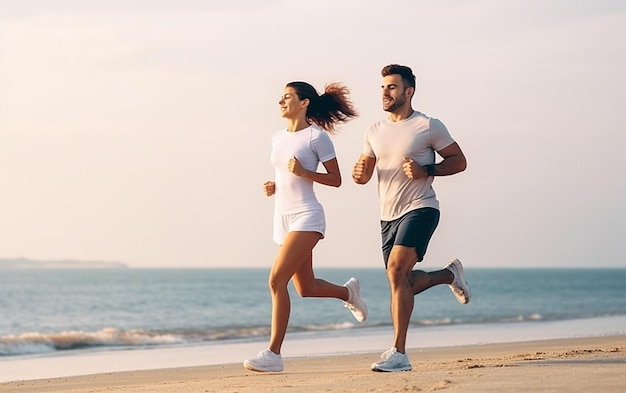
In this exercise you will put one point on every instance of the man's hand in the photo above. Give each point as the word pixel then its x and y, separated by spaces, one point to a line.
pixel 269 188
pixel 358 171
pixel 412 170
pixel 363 170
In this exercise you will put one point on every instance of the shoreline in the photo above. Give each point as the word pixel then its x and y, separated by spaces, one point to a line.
pixel 572 364
pixel 72 363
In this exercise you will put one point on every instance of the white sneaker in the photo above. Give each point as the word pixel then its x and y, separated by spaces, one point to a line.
pixel 385 355
pixel 392 361
pixel 354 302
pixel 266 360
pixel 459 286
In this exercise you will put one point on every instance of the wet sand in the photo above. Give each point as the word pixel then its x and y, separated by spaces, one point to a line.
pixel 564 365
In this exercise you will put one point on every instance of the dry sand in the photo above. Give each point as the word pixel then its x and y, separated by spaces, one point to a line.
pixel 570 365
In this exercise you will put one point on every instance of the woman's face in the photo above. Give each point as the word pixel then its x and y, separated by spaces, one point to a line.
pixel 291 107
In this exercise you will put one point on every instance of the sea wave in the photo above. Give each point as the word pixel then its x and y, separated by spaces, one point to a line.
pixel 41 343
pixel 37 343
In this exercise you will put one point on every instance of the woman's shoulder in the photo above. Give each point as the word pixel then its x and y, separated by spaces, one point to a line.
pixel 317 133
pixel 277 134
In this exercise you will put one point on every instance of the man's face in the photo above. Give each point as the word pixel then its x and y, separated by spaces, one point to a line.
pixel 394 95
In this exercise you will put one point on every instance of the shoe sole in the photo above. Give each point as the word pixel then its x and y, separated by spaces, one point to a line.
pixel 381 370
pixel 467 292
pixel 358 296
pixel 251 368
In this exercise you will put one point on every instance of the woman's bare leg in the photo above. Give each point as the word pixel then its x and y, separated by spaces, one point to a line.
pixel 308 286
pixel 295 251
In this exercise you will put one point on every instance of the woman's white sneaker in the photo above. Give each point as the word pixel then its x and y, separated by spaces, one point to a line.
pixel 266 360
pixel 354 303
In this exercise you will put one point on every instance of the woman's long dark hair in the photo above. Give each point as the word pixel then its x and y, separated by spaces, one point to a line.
pixel 326 110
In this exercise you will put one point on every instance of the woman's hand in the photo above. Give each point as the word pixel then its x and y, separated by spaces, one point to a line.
pixel 269 188
pixel 295 167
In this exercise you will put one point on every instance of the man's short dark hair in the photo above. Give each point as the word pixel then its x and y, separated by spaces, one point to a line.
pixel 405 73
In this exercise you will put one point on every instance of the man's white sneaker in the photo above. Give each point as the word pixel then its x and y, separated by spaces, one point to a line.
pixel 354 303
pixel 459 286
pixel 266 360
pixel 392 361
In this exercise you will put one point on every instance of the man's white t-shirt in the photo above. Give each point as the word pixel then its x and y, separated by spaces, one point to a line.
pixel 417 137
pixel 310 146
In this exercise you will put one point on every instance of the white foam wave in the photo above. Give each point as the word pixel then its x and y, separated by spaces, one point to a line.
pixel 36 343
pixel 331 326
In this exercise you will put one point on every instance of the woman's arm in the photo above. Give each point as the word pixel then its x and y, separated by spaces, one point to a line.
pixel 332 177
pixel 269 188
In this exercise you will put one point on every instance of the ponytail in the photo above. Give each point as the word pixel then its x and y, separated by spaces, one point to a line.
pixel 330 108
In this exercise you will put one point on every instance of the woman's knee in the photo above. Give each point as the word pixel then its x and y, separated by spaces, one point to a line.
pixel 276 283
pixel 305 289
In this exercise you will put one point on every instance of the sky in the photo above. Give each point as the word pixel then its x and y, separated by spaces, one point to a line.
pixel 139 131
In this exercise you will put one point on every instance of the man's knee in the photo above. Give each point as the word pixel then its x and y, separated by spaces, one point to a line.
pixel 396 275
pixel 399 272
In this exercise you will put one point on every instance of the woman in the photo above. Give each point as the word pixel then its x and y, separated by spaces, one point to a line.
pixel 299 221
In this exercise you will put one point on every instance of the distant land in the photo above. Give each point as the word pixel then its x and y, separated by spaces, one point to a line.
pixel 24 263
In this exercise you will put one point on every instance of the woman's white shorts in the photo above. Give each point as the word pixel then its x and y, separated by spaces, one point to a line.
pixel 306 221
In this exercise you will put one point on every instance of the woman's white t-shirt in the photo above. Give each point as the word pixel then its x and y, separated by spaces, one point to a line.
pixel 310 146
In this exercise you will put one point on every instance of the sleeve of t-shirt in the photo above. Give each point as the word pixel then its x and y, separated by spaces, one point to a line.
pixel 440 138
pixel 367 146
pixel 323 147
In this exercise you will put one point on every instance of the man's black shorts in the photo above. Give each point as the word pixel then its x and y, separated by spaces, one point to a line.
pixel 414 229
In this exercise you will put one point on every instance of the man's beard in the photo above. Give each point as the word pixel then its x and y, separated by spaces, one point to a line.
pixel 396 104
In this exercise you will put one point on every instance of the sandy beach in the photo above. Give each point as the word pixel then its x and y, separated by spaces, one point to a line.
pixel 595 364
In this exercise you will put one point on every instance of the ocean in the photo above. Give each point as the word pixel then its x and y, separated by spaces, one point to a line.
pixel 48 315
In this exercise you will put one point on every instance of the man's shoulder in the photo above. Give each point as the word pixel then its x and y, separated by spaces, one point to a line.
pixel 417 120
pixel 415 116
pixel 378 124
pixel 420 118
pixel 434 124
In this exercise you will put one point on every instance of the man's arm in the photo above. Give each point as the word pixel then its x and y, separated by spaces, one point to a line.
pixel 453 161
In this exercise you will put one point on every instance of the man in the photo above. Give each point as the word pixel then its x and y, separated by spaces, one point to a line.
pixel 402 149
